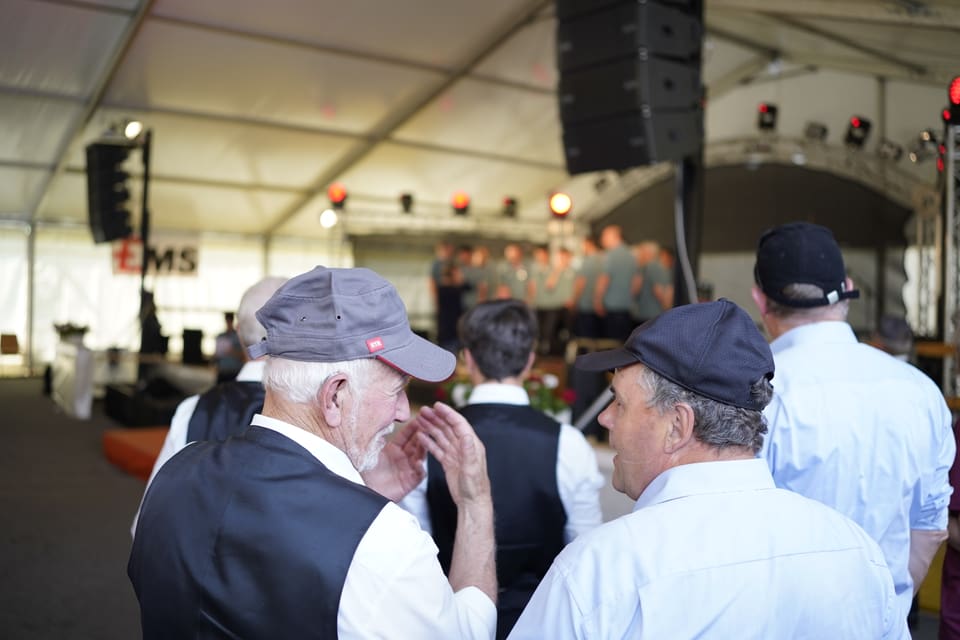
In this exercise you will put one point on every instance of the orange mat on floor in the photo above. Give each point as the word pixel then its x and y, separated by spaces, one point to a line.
pixel 134 450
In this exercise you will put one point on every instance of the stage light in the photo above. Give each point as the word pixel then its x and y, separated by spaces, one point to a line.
pixel 924 147
pixel 560 204
pixel 945 115
pixel 406 202
pixel 132 129
pixel 337 194
pixel 328 218
pixel 857 132
pixel 461 203
pixel 509 207
pixel 889 150
pixel 953 94
pixel 766 116
pixel 816 131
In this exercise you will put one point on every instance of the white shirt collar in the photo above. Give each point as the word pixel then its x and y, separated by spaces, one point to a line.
pixel 706 477
pixel 815 333
pixel 332 458
pixel 495 392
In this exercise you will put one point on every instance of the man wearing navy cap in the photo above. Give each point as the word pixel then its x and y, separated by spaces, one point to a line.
pixel 712 549
pixel 288 530
pixel 850 426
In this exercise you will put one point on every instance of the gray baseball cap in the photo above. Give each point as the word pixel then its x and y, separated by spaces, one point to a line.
pixel 334 315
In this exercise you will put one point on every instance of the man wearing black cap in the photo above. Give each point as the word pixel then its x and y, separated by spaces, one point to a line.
pixel 712 549
pixel 850 426
pixel 288 530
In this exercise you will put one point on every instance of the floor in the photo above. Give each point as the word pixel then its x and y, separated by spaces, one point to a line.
pixel 65 537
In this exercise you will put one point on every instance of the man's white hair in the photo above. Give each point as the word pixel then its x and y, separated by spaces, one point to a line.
pixel 249 329
pixel 299 382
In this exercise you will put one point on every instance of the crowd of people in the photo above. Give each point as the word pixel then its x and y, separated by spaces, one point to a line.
pixel 796 489
pixel 614 288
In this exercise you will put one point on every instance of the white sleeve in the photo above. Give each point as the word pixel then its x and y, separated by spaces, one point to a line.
pixel 395 588
pixel 415 503
pixel 176 439
pixel 579 481
pixel 553 612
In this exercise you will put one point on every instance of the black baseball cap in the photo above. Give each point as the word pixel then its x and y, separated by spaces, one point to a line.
pixel 712 348
pixel 801 253
pixel 334 315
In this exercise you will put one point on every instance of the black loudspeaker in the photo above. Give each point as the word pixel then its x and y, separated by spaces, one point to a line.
pixel 630 89
pixel 107 193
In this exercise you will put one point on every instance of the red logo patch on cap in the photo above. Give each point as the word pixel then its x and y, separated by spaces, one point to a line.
pixel 375 344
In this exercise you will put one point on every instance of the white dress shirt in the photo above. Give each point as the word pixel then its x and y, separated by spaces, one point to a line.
pixel 252 371
pixel 395 587
pixel 862 432
pixel 714 550
pixel 578 479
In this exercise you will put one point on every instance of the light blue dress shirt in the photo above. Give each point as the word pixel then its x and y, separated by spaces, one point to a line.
pixel 714 550
pixel 862 432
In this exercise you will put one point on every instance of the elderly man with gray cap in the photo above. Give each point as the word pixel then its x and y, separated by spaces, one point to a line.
pixel 850 425
pixel 289 530
pixel 712 548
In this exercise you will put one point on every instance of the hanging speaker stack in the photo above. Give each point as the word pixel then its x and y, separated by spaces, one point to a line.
pixel 630 90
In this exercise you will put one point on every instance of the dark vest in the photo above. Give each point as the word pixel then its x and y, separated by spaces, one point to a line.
pixel 248 538
pixel 224 411
pixel 521 445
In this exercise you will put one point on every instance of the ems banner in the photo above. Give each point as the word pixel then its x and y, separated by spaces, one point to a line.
pixel 168 255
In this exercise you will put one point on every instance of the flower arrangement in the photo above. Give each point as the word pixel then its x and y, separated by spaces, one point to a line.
pixel 544 392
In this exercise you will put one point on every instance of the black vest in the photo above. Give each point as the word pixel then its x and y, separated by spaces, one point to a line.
pixel 224 411
pixel 248 538
pixel 521 445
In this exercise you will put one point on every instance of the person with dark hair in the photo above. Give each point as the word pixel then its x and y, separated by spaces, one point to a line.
pixel 850 426
pixel 290 529
pixel 613 293
pixel 712 548
pixel 229 353
pixel 543 475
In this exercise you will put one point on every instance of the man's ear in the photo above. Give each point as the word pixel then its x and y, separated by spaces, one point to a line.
pixel 680 431
pixel 759 298
pixel 529 366
pixel 330 398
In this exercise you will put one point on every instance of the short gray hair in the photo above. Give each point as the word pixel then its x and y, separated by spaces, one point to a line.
pixel 715 424
pixel 836 311
pixel 249 329
pixel 299 382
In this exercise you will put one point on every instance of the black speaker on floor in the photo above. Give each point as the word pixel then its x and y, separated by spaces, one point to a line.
pixel 192 351
pixel 630 89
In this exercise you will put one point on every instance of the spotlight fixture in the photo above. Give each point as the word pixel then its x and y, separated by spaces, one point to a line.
pixel 889 150
pixel 560 204
pixel 509 207
pixel 857 132
pixel 816 131
pixel 461 203
pixel 766 116
pixel 132 129
pixel 946 115
pixel 924 147
pixel 338 195
pixel 941 155
pixel 406 202
pixel 328 218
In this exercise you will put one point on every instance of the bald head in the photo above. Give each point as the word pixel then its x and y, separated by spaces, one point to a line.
pixel 249 329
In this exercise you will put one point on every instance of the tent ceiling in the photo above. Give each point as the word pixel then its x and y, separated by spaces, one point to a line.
pixel 256 107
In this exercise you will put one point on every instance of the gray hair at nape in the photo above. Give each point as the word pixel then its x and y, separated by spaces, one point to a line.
pixel 836 311
pixel 298 382
pixel 249 329
pixel 715 424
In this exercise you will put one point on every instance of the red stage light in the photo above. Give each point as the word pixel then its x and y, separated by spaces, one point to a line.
pixel 940 164
pixel 763 107
pixel 954 91
pixel 460 202
pixel 946 115
pixel 855 122
pixel 337 194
